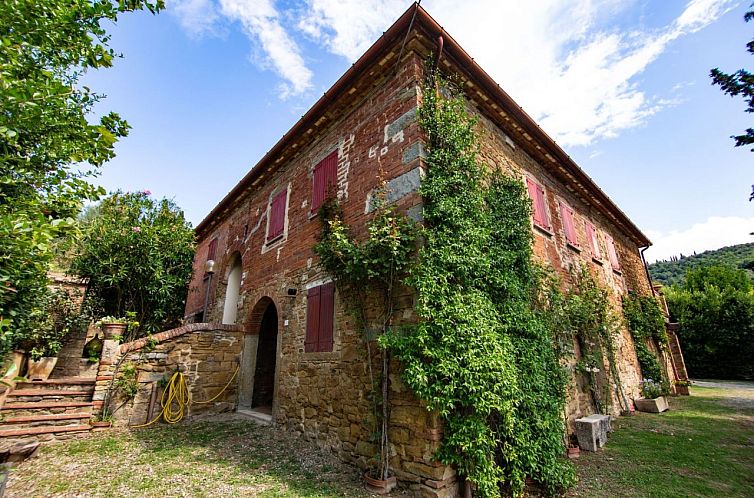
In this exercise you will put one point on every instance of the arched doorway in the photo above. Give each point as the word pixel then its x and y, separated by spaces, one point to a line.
pixel 264 372
pixel 259 362
pixel 230 310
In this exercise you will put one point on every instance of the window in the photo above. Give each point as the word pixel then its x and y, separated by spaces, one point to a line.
pixel 611 254
pixel 320 314
pixel 324 179
pixel 566 214
pixel 276 223
pixel 212 249
pixel 591 237
pixel 537 196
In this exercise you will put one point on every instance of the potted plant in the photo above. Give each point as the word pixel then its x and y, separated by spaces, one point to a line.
pixel 101 421
pixel 653 399
pixel 116 328
pixel 682 387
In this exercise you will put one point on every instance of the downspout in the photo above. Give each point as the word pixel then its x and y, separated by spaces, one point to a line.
pixel 440 43
pixel 646 268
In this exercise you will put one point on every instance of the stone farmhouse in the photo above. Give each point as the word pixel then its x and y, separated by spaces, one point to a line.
pixel 302 363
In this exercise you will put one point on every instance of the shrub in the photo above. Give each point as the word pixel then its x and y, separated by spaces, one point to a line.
pixel 136 254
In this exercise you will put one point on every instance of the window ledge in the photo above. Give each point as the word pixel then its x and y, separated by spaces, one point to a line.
pixel 617 271
pixel 598 261
pixel 274 240
pixel 321 356
pixel 573 247
pixel 543 230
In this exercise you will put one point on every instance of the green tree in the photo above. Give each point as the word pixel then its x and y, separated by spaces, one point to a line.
pixel 715 308
pixel 48 146
pixel 741 83
pixel 136 254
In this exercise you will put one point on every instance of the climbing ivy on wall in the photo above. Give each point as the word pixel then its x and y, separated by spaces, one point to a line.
pixel 481 356
pixel 646 323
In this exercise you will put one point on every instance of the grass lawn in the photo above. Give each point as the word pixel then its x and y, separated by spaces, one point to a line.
pixel 703 446
pixel 217 459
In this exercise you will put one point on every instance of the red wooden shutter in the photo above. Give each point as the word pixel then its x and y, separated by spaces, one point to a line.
pixel 542 208
pixel 533 190
pixel 591 235
pixel 611 253
pixel 566 213
pixel 212 249
pixel 277 215
pixel 326 317
pixel 324 179
pixel 312 319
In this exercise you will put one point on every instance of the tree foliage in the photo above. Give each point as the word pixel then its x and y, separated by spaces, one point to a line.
pixel 740 83
pixel 48 146
pixel 715 310
pixel 481 356
pixel 136 254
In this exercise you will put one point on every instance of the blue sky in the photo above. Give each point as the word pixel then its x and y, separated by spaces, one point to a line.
pixel 210 85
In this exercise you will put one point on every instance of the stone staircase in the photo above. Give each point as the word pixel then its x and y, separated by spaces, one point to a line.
pixel 48 410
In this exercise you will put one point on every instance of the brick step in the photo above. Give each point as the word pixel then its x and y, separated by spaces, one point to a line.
pixel 45 408
pixel 33 419
pixel 35 431
pixel 67 383
pixel 49 392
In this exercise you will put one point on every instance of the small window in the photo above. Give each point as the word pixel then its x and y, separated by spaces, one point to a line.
pixel 611 253
pixel 276 224
pixel 212 249
pixel 591 237
pixel 566 214
pixel 324 180
pixel 537 196
pixel 320 314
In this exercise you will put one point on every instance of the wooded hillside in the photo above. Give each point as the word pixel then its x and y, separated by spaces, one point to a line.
pixel 672 271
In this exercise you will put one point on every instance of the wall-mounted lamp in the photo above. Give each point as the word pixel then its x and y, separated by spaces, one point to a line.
pixel 209 269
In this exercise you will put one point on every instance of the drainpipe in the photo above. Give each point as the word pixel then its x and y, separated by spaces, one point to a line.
pixel 440 43
pixel 646 269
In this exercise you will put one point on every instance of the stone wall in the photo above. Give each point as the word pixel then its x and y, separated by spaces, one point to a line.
pixel 207 354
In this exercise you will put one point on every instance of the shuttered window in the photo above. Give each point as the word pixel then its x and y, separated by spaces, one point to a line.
pixel 324 180
pixel 566 214
pixel 591 236
pixel 320 315
pixel 537 196
pixel 212 249
pixel 277 216
pixel 611 253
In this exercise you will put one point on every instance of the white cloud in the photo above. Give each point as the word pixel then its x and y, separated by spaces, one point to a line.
pixel 558 58
pixel 714 233
pixel 574 65
pixel 197 17
pixel 261 22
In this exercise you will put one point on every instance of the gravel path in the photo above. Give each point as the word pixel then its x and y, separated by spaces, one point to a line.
pixel 737 393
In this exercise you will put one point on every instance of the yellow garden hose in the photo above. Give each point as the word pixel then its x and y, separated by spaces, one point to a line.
pixel 176 398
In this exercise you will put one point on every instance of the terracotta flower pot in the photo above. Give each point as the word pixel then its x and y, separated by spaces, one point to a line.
pixel 42 368
pixel 378 485
pixel 113 329
pixel 682 390
pixel 574 452
pixel 101 424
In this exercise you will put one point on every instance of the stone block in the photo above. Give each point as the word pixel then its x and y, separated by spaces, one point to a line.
pixel 592 431
pixel 656 405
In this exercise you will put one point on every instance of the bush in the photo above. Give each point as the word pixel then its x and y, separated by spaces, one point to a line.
pixel 57 313
pixel 137 255
pixel 715 310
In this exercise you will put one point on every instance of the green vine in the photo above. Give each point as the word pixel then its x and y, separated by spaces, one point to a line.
pixel 367 272
pixel 481 355
pixel 647 323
